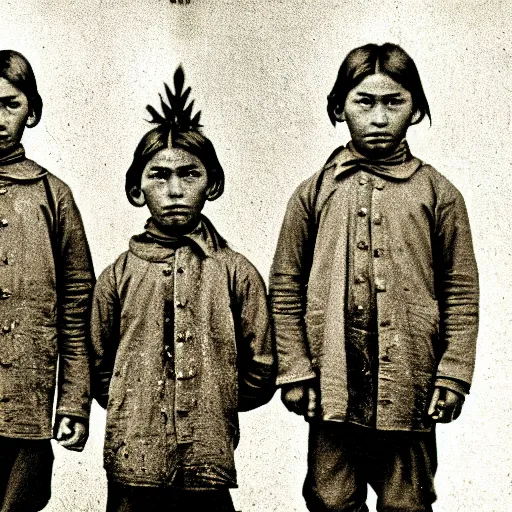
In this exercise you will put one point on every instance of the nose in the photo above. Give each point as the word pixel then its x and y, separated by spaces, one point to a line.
pixel 380 115
pixel 174 186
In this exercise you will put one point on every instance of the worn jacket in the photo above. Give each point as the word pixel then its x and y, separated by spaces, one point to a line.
pixel 46 282
pixel 174 393
pixel 426 283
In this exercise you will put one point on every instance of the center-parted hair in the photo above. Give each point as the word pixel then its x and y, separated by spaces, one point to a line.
pixel 371 59
pixel 16 69
pixel 178 129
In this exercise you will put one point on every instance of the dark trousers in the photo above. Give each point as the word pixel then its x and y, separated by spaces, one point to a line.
pixel 25 474
pixel 343 459
pixel 124 498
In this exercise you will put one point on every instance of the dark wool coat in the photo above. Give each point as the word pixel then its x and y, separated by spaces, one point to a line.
pixel 174 391
pixel 46 282
pixel 425 277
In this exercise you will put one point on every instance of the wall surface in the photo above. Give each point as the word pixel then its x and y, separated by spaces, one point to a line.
pixel 260 71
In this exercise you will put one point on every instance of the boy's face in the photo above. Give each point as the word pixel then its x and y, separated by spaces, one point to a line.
pixel 378 112
pixel 14 113
pixel 175 187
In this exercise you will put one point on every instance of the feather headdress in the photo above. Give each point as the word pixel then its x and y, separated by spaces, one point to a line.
pixel 176 114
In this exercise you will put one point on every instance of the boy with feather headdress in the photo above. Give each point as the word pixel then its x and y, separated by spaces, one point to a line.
pixel 180 331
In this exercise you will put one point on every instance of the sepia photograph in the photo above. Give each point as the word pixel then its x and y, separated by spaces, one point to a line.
pixel 255 255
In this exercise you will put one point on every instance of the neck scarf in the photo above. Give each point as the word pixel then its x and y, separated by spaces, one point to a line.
pixel 399 165
pixel 16 154
pixel 155 233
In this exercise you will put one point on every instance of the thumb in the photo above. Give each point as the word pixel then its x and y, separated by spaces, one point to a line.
pixel 64 428
pixel 433 401
pixel 311 402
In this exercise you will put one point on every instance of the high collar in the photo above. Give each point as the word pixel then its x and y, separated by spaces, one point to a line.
pixel 155 246
pixel 14 166
pixel 401 165
pixel 16 154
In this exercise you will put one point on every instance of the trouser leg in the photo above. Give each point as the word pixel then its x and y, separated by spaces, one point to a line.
pixel 334 481
pixel 403 471
pixel 124 498
pixel 29 465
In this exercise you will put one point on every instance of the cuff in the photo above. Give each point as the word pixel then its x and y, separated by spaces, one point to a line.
pixel 455 385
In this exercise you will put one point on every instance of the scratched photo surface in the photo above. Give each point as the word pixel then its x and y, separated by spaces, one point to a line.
pixel 260 72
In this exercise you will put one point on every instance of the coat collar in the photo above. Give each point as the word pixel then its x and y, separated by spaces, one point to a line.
pixel 400 166
pixel 155 246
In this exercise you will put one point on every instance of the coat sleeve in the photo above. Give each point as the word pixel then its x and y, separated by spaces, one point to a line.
pixel 105 321
pixel 75 282
pixel 256 361
pixel 288 285
pixel 457 288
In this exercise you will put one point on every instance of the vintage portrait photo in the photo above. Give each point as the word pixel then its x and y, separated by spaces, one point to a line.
pixel 255 256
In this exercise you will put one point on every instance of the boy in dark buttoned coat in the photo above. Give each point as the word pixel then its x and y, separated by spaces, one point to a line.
pixel 180 328
pixel 374 292
pixel 46 281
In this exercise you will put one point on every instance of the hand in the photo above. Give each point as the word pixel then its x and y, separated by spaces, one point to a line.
pixel 300 399
pixel 72 433
pixel 445 406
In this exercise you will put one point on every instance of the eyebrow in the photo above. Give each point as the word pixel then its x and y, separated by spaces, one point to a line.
pixel 180 168
pixel 388 95
pixel 9 97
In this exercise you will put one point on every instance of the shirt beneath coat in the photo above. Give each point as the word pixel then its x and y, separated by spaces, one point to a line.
pixel 374 290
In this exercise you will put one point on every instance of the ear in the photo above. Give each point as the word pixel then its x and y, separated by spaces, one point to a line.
pixel 137 196
pixel 339 114
pixel 214 191
pixel 415 117
pixel 32 120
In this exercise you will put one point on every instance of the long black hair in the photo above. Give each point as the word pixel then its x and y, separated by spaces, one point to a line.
pixel 370 59
pixel 16 69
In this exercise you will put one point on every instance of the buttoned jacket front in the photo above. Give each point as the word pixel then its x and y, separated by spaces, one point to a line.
pixel 162 420
pixel 424 274
pixel 46 282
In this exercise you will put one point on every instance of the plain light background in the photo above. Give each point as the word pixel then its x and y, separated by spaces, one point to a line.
pixel 260 72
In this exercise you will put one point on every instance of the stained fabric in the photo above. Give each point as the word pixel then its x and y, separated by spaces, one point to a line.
pixel 46 281
pixel 173 403
pixel 406 233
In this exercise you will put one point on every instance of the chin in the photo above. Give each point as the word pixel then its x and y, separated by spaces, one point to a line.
pixel 178 226
pixel 380 149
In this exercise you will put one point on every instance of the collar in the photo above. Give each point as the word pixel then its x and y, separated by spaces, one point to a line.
pixel 401 165
pixel 155 246
pixel 14 166
pixel 17 154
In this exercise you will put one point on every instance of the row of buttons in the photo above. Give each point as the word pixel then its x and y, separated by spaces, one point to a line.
pixel 380 284
pixel 377 218
pixel 4 292
pixel 379 185
pixel 377 253
pixel 168 271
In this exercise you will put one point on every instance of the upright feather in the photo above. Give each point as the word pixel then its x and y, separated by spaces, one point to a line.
pixel 176 114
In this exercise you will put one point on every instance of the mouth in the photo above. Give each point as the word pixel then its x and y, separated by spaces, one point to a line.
pixel 176 210
pixel 379 136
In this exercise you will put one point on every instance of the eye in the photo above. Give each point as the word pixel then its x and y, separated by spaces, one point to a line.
pixel 365 101
pixel 158 174
pixel 189 173
pixel 14 104
pixel 395 102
